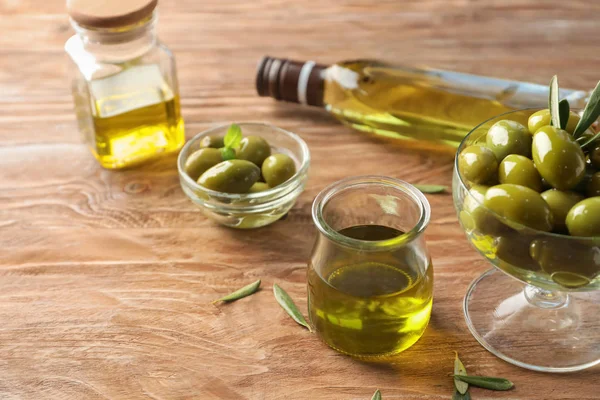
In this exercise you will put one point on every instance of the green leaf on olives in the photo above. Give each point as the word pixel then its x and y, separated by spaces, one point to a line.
pixel 233 137
pixel 563 112
pixel 553 102
pixel 590 113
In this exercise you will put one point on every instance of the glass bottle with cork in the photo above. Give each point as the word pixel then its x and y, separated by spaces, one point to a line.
pixel 420 105
pixel 124 82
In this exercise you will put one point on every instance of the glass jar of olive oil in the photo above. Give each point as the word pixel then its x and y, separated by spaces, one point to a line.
pixel 124 82
pixel 370 278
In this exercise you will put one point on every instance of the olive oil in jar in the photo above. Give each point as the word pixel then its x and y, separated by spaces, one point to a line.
pixel 124 82
pixel 371 308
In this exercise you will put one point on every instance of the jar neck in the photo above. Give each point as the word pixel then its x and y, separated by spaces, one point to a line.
pixel 126 42
pixel 371 200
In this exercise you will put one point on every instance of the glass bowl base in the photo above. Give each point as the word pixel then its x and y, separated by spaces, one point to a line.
pixel 531 327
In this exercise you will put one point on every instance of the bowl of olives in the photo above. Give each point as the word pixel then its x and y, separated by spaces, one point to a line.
pixel 244 175
pixel 526 189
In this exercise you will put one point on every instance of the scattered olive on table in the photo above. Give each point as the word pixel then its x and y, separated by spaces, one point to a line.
pixel 236 164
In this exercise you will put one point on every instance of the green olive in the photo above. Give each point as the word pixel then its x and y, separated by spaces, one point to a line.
pixel 258 187
pixel 595 156
pixel 201 160
pixel 514 250
pixel 558 158
pixel 542 118
pixel 216 142
pixel 254 149
pixel 478 164
pixel 519 204
pixel 584 218
pixel 560 203
pixel 520 170
pixel 587 178
pixel 233 176
pixel 593 187
pixel 277 169
pixel 569 263
pixel 478 219
pixel 508 137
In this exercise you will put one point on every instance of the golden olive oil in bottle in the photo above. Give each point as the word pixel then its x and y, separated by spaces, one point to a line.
pixel 371 308
pixel 424 107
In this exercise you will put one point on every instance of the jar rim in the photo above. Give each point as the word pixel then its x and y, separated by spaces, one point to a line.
pixel 332 190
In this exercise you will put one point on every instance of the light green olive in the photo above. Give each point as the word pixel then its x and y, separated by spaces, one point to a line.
pixel 233 176
pixel 542 118
pixel 254 149
pixel 478 164
pixel 478 219
pixel 520 170
pixel 558 158
pixel 560 203
pixel 584 218
pixel 508 137
pixel 201 160
pixel 277 169
pixel 593 186
pixel 259 187
pixel 519 204
pixel 595 156
pixel 215 142
pixel 569 263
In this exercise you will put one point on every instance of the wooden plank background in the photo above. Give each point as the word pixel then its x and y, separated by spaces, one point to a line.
pixel 106 277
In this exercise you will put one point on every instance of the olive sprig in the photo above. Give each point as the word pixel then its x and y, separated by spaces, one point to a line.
pixel 231 142
pixel 559 112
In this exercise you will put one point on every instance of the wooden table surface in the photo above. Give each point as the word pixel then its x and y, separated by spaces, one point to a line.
pixel 106 277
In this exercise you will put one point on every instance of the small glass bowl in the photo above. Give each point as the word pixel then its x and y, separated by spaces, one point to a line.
pixel 252 210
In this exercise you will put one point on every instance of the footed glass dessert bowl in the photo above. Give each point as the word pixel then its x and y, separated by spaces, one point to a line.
pixel 539 308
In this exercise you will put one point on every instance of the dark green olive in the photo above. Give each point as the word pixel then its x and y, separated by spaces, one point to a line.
pixel 254 149
pixel 216 142
pixel 201 160
pixel 584 218
pixel 277 169
pixel 520 170
pixel 593 187
pixel 558 158
pixel 587 178
pixel 233 176
pixel 595 156
pixel 508 137
pixel 542 118
pixel 514 250
pixel 519 204
pixel 560 203
pixel 478 164
pixel 259 187
pixel 569 263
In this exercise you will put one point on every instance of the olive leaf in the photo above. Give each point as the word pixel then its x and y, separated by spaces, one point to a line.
pixel 459 369
pixel 376 395
pixel 563 112
pixel 227 153
pixel 590 113
pixel 592 140
pixel 241 293
pixel 459 396
pixel 233 137
pixel 286 302
pixel 432 189
pixel 553 102
pixel 486 382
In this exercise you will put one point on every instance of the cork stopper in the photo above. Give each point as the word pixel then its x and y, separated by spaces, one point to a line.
pixel 110 13
pixel 293 81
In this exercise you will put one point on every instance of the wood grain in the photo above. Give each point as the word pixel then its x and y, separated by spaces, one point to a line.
pixel 107 277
